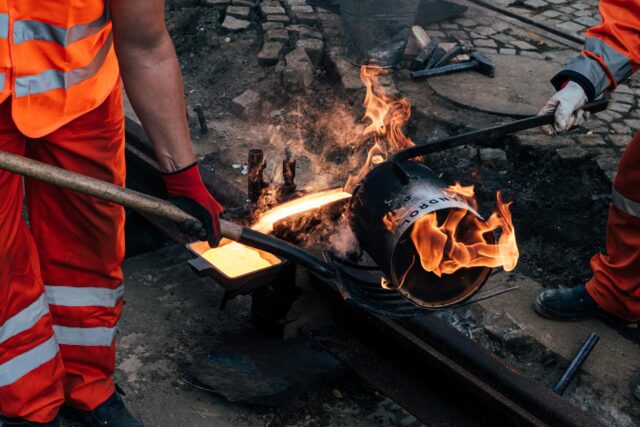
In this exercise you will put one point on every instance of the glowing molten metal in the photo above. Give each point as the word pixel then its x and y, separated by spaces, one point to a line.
pixel 297 206
pixel 461 240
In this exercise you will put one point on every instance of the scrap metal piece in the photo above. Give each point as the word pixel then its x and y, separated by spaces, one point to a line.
pixel 438 54
pixel 425 54
pixel 288 173
pixel 202 120
pixel 576 363
pixel 255 178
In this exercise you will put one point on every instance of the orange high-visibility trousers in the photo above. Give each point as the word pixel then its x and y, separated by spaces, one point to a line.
pixel 60 277
pixel 615 285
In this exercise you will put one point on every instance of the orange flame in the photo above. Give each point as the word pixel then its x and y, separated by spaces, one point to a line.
pixel 387 116
pixel 446 248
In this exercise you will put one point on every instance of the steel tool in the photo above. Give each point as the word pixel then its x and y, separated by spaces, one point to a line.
pixel 576 363
pixel 479 62
pixel 454 51
pixel 438 54
pixel 423 57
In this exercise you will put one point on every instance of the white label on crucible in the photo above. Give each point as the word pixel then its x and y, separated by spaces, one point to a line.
pixel 422 199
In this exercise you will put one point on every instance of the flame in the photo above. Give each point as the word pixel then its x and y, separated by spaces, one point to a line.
pixel 294 207
pixel 446 248
pixel 387 116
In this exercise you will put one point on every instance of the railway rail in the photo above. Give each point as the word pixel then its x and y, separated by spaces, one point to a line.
pixel 426 366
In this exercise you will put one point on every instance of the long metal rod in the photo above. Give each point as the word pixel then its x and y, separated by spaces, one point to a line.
pixel 155 206
pixel 486 136
pixel 576 363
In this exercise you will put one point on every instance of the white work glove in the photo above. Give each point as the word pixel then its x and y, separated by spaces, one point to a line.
pixel 566 103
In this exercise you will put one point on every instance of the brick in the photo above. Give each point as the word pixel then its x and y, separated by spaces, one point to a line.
pixel 231 23
pixel 304 32
pixel 247 105
pixel 314 48
pixel 277 35
pixel 485 43
pixel 301 9
pixel 608 164
pixel 536 4
pixel 523 45
pixel 272 10
pixel 270 53
pixel 621 129
pixel 588 21
pixel 216 3
pixel 492 156
pixel 240 12
pixel 619 140
pixel 278 18
pixel 571 155
pixel 266 26
pixel 633 123
pixel 305 18
pixel 620 107
pixel 298 73
pixel 590 140
pixel 348 74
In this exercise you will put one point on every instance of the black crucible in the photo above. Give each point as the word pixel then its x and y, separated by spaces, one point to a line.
pixel 409 196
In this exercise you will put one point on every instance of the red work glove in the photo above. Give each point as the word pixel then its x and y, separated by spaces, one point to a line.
pixel 187 191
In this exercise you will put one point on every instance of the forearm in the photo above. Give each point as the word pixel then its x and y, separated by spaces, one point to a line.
pixel 153 82
pixel 611 52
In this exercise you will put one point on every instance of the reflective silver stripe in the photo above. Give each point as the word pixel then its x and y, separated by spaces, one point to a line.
pixel 84 336
pixel 4 25
pixel 618 64
pixel 24 31
pixel 25 319
pixel 70 296
pixel 16 368
pixel 624 204
pixel 2 79
pixel 55 79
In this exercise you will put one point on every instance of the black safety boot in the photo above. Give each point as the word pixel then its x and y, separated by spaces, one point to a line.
pixel 14 422
pixel 566 304
pixel 112 413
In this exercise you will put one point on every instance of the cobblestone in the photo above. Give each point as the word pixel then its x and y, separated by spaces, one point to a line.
pixel 571 16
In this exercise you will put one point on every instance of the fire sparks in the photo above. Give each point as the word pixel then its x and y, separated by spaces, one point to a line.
pixel 387 116
pixel 294 207
pixel 462 241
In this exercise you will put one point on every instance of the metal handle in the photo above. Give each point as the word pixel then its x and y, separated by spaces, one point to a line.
pixel 485 136
pixel 155 206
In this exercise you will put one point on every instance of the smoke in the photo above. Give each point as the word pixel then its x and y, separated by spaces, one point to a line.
pixel 323 135
pixel 343 241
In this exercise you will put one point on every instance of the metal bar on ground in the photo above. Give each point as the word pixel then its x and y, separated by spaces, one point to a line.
pixel 576 363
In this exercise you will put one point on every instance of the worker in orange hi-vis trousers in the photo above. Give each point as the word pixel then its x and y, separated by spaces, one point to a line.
pixel 61 289
pixel 611 55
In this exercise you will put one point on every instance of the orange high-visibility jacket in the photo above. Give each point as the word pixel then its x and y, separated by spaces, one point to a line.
pixel 612 50
pixel 57 60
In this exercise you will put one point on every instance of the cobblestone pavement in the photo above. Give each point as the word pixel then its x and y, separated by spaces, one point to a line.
pixel 603 137
pixel 570 16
